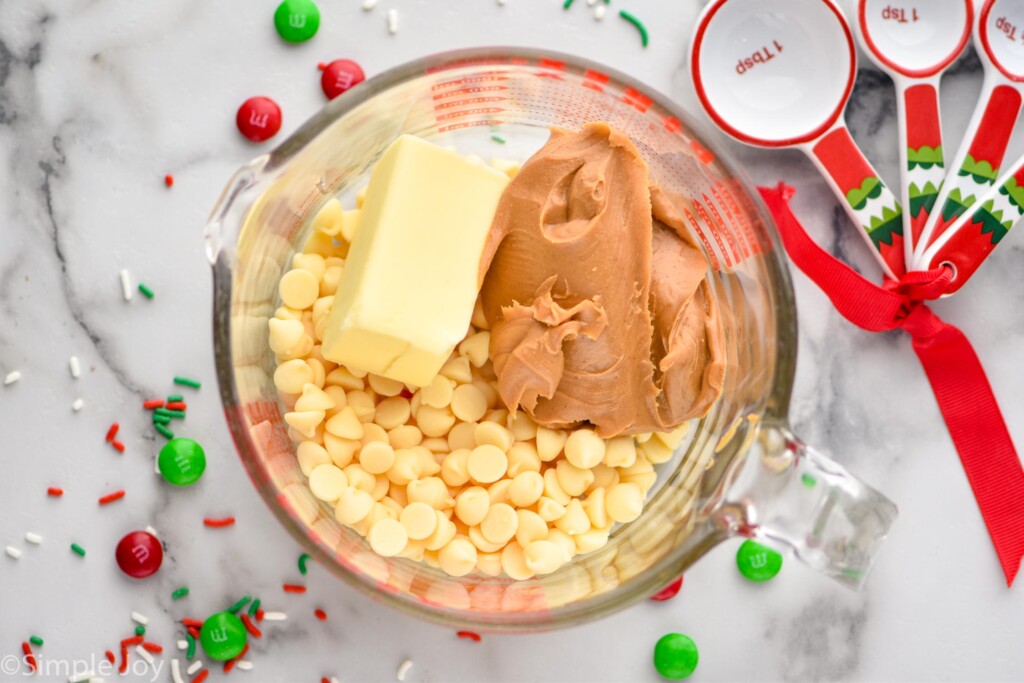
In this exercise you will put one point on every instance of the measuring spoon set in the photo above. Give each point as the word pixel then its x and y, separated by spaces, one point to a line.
pixel 779 73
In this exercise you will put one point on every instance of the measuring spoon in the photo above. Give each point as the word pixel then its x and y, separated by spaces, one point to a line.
pixel 997 36
pixel 778 73
pixel 914 44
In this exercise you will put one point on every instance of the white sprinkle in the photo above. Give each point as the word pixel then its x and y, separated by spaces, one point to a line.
pixel 591 2
pixel 392 21
pixel 369 4
pixel 176 672
pixel 13 552
pixel 403 669
pixel 77 404
pixel 12 377
pixel 182 644
pixel 244 665
pixel 97 679
pixel 152 530
pixel 334 679
pixel 140 618
pixel 501 2
pixel 74 366
pixel 156 467
pixel 194 667
pixel 599 12
pixel 33 537
pixel 144 653
pixel 82 677
pixel 274 616
pixel 126 285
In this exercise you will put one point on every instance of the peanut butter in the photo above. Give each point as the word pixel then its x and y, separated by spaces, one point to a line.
pixel 596 294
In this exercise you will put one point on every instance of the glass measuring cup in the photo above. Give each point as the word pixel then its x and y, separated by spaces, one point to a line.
pixel 740 471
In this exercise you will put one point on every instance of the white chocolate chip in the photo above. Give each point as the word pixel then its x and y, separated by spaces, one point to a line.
pixel 531 527
pixel 494 434
pixel 419 520
pixel 573 480
pixel 584 448
pixel 500 523
pixel 543 557
pixel 469 404
pixel 387 537
pixel 327 482
pixel 624 502
pixel 472 504
pixel 376 457
pixel 299 289
pixel 328 219
pixel 550 443
pixel 620 452
pixel 513 561
pixel 475 348
pixel 345 424
pixel 458 557
pixel 486 464
pixel 353 505
pixel 526 488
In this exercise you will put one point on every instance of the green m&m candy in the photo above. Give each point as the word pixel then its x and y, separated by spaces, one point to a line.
pixel 675 656
pixel 181 461
pixel 757 562
pixel 297 20
pixel 223 636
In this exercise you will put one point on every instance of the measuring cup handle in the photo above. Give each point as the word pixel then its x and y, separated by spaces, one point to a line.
pixel 921 148
pixel 967 242
pixel 977 163
pixel 790 494
pixel 867 200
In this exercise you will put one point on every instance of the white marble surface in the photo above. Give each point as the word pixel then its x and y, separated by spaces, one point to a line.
pixel 99 99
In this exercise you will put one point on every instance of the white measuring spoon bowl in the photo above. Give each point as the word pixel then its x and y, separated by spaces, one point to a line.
pixel 778 73
pixel 998 38
pixel 914 45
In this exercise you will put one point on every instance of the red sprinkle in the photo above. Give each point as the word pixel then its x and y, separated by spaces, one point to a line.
pixel 124 660
pixel 475 637
pixel 29 657
pixel 177 405
pixel 259 615
pixel 152 647
pixel 118 446
pixel 112 432
pixel 110 656
pixel 111 497
pixel 251 627
pixel 293 588
pixel 134 640
pixel 321 66
pixel 230 664
pixel 194 632
pixel 192 622
pixel 406 393
pixel 219 523
pixel 169 180
pixel 201 676
pixel 153 403
pixel 320 614
pixel 55 491
pixel 324 679
pixel 669 591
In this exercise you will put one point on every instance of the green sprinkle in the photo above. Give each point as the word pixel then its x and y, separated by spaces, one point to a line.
pixel 808 481
pixel 636 22
pixel 161 419
pixel 191 652
pixel 163 430
pixel 186 382
pixel 175 398
pixel 36 640
pixel 254 607
pixel 140 630
pixel 497 138
pixel 146 291
pixel 78 550
pixel 180 593
pixel 567 5
pixel 303 559
pixel 240 604
pixel 176 414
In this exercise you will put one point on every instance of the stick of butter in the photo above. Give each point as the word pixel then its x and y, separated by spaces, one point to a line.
pixel 407 291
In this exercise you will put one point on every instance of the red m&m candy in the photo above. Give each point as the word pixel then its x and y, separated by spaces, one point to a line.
pixel 339 76
pixel 139 554
pixel 259 118
pixel 669 591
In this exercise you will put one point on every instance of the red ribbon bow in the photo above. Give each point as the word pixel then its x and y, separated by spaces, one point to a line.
pixel 958 381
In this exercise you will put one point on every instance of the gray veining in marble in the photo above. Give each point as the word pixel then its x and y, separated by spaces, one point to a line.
pixel 100 99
